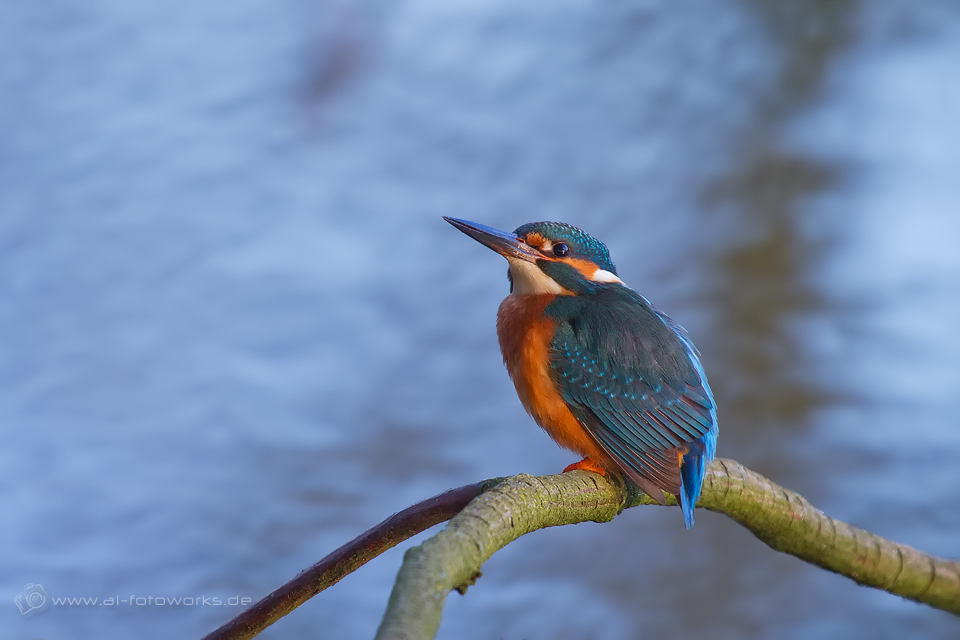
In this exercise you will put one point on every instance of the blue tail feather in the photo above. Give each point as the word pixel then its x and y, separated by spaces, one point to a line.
pixel 701 453
pixel 693 470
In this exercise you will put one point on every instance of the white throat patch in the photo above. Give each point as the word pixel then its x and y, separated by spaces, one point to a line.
pixel 528 279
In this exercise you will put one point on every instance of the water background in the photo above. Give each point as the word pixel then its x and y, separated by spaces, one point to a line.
pixel 236 332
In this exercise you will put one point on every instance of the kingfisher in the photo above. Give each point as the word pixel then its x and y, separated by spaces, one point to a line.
pixel 605 373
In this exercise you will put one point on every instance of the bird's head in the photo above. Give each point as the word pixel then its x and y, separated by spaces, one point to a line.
pixel 547 257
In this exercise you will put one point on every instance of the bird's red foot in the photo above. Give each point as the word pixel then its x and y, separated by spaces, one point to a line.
pixel 586 465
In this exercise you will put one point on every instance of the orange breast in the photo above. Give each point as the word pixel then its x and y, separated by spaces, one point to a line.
pixel 525 337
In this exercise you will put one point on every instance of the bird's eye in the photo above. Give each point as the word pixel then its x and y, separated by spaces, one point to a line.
pixel 560 250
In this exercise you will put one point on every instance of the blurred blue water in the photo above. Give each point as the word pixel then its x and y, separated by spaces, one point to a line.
pixel 236 332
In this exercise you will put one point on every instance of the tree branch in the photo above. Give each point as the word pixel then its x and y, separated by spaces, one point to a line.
pixel 489 515
pixel 787 522
pixel 782 519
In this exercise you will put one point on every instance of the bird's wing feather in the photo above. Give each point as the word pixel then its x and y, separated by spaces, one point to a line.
pixel 632 380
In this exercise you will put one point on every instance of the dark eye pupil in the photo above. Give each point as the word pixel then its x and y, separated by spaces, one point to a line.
pixel 560 249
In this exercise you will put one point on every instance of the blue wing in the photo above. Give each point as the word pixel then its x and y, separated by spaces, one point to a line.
pixel 635 382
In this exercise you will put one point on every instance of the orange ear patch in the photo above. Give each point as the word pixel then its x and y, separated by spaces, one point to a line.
pixel 585 267
pixel 590 271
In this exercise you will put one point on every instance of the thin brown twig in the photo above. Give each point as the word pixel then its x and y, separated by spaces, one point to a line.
pixel 347 559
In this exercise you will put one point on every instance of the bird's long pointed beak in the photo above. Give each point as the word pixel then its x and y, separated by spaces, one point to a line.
pixel 506 244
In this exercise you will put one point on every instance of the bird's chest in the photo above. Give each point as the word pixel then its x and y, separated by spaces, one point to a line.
pixel 525 337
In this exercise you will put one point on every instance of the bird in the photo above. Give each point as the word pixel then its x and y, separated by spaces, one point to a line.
pixel 605 373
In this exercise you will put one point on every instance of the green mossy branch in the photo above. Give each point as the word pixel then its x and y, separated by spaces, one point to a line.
pixel 787 522
pixel 784 520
